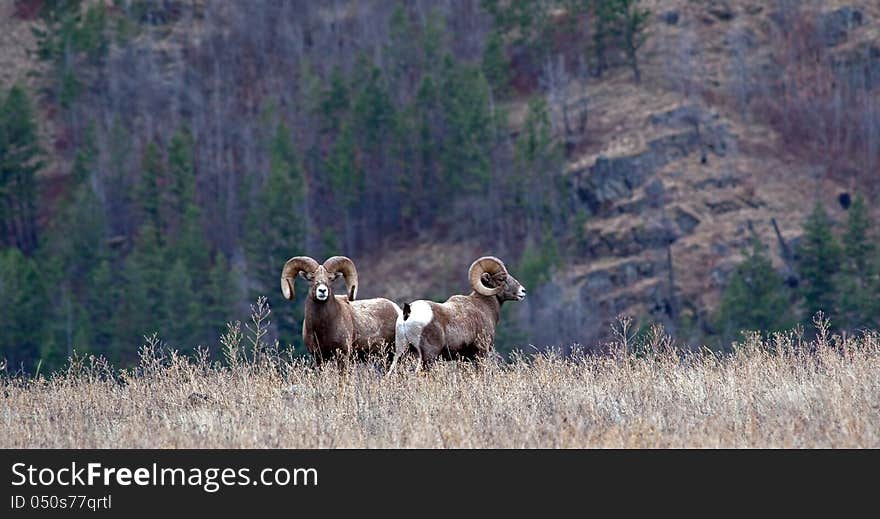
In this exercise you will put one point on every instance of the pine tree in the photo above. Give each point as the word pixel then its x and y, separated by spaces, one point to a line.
pixel 73 247
pixel 335 101
pixel 100 304
pixel 189 243
pixel 630 27
pixel 819 263
pixel 605 18
pixel 467 147
pixel 222 296
pixel 373 111
pixel 857 273
pixel 755 298
pixel 142 280
pixel 23 303
pixel 496 64
pixel 85 157
pixel 19 163
pixel 346 179
pixel 178 303
pixel 149 192
pixel 181 172
pixel 276 231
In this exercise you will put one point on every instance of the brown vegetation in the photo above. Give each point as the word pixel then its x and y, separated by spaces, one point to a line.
pixel 768 393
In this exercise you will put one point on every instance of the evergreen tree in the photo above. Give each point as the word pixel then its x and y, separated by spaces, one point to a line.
pixel 335 102
pixel 23 302
pixel 189 243
pixel 538 159
pixel 179 301
pixel 373 111
pixel 142 280
pixel 75 246
pixel 19 163
pixel 856 279
pixel 346 178
pixel 67 32
pixel 101 303
pixel 755 298
pixel 181 172
pixel 84 159
pixel 496 64
pixel 819 263
pixel 605 19
pixel 149 192
pixel 467 146
pixel 630 27
pixel 276 231
pixel 222 296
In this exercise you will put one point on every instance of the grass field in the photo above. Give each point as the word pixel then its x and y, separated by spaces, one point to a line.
pixel 779 392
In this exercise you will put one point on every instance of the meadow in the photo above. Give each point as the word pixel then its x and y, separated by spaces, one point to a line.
pixel 782 391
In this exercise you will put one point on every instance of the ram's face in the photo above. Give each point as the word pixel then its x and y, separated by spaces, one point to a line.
pixel 512 290
pixel 321 283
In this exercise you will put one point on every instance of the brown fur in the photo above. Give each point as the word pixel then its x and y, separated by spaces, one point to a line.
pixel 461 327
pixel 339 326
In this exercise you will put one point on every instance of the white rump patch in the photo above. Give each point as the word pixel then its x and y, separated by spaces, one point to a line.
pixel 420 315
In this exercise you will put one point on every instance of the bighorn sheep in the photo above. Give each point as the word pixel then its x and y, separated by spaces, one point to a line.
pixel 339 324
pixel 463 325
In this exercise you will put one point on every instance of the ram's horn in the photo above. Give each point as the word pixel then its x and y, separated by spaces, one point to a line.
pixel 346 266
pixel 486 264
pixel 291 269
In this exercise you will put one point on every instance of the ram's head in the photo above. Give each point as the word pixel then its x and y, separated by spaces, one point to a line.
pixel 320 277
pixel 489 277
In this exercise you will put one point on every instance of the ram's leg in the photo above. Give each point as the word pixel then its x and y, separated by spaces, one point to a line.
pixel 401 346
pixel 420 364
pixel 428 354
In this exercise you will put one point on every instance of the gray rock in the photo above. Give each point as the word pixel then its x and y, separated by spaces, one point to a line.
pixel 598 281
pixel 723 206
pixel 686 221
pixel 721 9
pixel 670 17
pixel 859 68
pixel 609 182
pixel 724 181
pixel 835 25
pixel 741 38
pixel 683 116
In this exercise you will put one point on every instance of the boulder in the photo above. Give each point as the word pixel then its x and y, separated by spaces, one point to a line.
pixel 835 25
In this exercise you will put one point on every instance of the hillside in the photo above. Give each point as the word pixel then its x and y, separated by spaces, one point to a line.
pixel 643 181
pixel 343 129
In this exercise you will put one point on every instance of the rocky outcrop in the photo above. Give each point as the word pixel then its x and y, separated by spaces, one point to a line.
pixel 611 179
pixel 859 67
pixel 835 25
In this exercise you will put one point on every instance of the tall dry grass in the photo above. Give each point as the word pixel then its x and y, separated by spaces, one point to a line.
pixel 779 392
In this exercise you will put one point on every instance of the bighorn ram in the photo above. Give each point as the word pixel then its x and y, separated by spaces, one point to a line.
pixel 339 324
pixel 463 325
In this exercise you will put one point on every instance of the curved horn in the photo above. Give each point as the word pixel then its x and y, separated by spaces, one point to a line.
pixel 486 264
pixel 293 267
pixel 346 266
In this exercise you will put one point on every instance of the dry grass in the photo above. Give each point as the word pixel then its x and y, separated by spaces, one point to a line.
pixel 778 393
